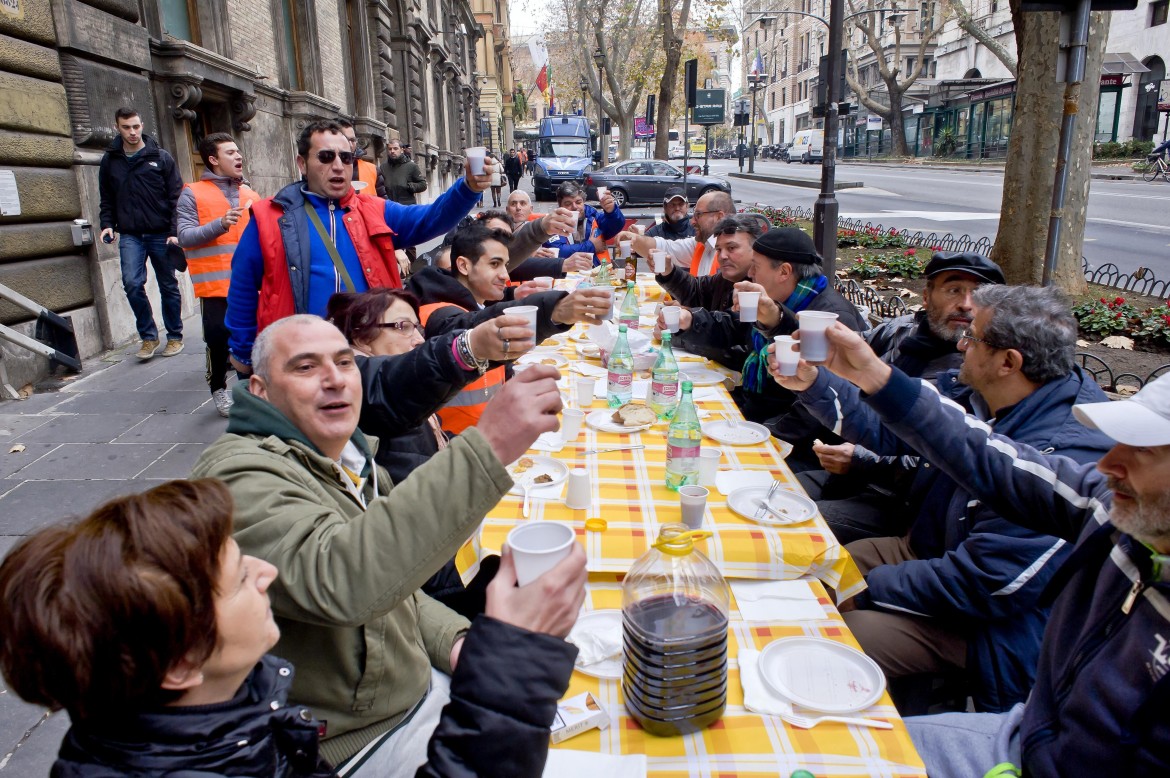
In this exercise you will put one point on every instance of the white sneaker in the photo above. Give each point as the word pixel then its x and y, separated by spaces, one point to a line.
pixel 223 401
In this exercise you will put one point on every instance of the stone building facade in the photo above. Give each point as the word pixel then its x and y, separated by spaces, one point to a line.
pixel 495 75
pixel 259 69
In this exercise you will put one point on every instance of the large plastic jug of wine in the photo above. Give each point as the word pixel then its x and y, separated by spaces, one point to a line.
pixel 674 626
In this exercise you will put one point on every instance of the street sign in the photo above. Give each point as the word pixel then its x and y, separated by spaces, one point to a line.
pixel 709 106
pixel 873 123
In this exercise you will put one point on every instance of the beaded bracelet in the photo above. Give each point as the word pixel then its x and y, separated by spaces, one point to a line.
pixel 464 341
pixel 458 357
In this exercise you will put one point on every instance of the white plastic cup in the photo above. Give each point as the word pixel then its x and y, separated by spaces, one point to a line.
pixel 527 311
pixel 787 358
pixel 670 316
pixel 579 494
pixel 814 344
pixel 358 185
pixel 659 258
pixel 537 547
pixel 638 228
pixel 626 246
pixel 602 191
pixel 749 303
pixel 475 157
pixel 659 219
pixel 583 389
pixel 544 281
pixel 571 421
pixel 709 466
pixel 693 502
pixel 608 315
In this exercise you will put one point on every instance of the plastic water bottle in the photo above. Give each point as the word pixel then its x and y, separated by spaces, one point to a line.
pixel 683 443
pixel 664 381
pixel 628 315
pixel 620 386
pixel 603 280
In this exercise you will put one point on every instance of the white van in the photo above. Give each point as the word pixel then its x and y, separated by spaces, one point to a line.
pixel 808 146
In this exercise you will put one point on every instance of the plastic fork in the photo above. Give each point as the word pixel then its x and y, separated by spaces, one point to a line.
pixel 764 506
pixel 808 722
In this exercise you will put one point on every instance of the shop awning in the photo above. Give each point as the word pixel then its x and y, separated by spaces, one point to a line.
pixel 1122 64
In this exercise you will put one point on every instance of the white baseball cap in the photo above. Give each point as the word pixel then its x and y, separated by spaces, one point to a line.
pixel 1141 420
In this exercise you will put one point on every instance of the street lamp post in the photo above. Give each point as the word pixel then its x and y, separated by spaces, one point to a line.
pixel 741 109
pixel 584 95
pixel 602 143
pixel 755 81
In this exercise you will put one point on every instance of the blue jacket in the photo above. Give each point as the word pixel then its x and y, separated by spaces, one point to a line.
pixel 412 224
pixel 605 224
pixel 975 569
pixel 1102 687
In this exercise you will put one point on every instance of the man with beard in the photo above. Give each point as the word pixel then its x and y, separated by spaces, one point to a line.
pixel 695 255
pixel 734 237
pixel 1101 692
pixel 676 222
pixel 403 178
pixel 961 593
pixel 860 494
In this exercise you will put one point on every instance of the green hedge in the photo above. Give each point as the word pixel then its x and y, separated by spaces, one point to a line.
pixel 1130 149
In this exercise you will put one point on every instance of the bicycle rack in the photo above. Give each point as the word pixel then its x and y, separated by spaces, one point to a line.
pixel 54 339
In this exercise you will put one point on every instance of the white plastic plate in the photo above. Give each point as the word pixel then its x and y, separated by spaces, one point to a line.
pixel 541 465
pixel 741 433
pixel 821 674
pixel 602 420
pixel 600 621
pixel 795 508
pixel 701 376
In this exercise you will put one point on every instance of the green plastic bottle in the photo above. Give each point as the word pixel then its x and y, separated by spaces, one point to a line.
pixel 620 383
pixel 683 443
pixel 664 381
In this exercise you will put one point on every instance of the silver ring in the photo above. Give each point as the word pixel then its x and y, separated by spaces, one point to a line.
pixel 507 345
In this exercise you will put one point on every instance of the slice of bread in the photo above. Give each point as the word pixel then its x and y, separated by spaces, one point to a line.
pixel 634 415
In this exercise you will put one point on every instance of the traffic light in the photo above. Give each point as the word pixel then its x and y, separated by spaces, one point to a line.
pixel 650 99
pixel 606 127
pixel 691 71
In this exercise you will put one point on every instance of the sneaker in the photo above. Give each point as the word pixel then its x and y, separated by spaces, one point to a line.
pixel 173 347
pixel 146 351
pixel 223 401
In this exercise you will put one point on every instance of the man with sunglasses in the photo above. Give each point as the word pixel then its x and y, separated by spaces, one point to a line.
pixel 318 236
pixel 734 238
pixel 961 593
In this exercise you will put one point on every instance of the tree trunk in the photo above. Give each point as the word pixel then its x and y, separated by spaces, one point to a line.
pixel 672 44
pixel 898 147
pixel 1030 171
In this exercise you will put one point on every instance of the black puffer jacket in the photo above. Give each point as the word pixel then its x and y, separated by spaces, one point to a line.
pixel 711 292
pixel 244 736
pixel 139 193
pixel 504 695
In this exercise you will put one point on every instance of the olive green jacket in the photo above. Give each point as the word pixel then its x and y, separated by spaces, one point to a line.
pixel 362 636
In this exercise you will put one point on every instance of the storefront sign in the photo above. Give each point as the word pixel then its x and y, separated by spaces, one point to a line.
pixel 873 123
pixel 1114 79
pixel 991 92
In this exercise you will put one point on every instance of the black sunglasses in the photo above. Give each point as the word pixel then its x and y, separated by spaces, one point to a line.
pixel 326 156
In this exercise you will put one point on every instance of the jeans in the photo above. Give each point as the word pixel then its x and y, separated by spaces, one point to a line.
pixel 215 335
pixel 133 250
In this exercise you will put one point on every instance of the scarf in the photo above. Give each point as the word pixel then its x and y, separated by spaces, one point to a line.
pixel 755 367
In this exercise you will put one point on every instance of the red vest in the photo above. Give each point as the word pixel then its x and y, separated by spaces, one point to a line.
pixel 372 238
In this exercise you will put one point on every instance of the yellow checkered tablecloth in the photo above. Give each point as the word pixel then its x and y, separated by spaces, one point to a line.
pixel 742 743
pixel 629 492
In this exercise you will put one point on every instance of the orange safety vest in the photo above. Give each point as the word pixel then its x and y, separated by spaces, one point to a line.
pixel 464 409
pixel 368 174
pixel 210 264
pixel 697 260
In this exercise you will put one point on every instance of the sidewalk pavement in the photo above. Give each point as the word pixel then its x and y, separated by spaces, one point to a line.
pixel 123 426
pixel 1100 172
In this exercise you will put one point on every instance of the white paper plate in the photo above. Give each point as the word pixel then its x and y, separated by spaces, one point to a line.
pixel 821 674
pixel 543 358
pixel 743 433
pixel 600 621
pixel 602 420
pixel 579 334
pixel 540 466
pixel 588 351
pixel 701 376
pixel 797 508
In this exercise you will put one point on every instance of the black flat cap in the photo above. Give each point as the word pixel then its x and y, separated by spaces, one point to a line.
pixel 965 262
pixel 788 244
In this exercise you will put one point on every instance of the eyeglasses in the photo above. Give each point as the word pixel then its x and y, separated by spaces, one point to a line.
pixel 404 327
pixel 729 230
pixel 326 156
pixel 966 335
pixel 704 213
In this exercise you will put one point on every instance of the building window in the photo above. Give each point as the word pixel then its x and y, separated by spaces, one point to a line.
pixel 772 100
pixel 1158 12
pixel 784 95
pixel 290 45
pixel 180 19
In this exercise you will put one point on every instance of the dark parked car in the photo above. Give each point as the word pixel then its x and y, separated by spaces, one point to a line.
pixel 646 181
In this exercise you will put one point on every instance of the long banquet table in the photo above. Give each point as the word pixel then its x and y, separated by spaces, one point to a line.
pixel 630 494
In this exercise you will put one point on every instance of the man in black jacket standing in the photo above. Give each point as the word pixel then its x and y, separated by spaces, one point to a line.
pixel 403 177
pixel 514 170
pixel 140 188
pixel 676 222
